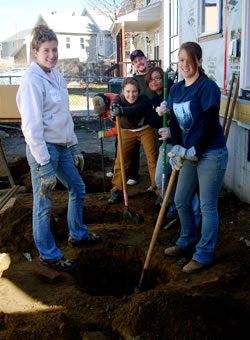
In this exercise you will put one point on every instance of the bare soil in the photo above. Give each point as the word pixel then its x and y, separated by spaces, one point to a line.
pixel 97 300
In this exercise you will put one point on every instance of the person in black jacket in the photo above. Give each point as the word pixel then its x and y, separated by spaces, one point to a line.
pixel 133 110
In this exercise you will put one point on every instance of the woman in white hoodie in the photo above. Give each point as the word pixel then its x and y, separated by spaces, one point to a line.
pixel 52 149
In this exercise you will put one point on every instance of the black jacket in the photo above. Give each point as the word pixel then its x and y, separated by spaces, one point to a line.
pixel 134 115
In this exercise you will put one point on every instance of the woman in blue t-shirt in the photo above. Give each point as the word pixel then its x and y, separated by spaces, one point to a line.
pixel 194 105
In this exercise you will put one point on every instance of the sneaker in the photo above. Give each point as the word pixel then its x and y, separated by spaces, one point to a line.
pixel 150 189
pixel 116 197
pixel 62 265
pixel 194 267
pixel 91 239
pixel 109 174
pixel 173 251
pixel 132 182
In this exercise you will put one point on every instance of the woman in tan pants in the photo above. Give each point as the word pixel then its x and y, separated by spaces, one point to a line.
pixel 133 110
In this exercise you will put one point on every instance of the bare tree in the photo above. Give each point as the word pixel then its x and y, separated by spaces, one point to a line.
pixel 113 8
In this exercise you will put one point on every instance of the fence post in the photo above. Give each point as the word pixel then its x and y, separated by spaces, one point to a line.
pixel 87 93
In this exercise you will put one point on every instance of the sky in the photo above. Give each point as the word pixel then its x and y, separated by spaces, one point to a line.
pixel 18 15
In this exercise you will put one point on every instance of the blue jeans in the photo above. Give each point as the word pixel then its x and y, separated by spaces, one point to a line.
pixel 68 174
pixel 207 176
pixel 158 180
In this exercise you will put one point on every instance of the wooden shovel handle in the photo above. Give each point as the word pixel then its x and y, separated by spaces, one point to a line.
pixel 160 218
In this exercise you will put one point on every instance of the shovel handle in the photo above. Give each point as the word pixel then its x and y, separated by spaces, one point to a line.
pixel 124 183
pixel 160 218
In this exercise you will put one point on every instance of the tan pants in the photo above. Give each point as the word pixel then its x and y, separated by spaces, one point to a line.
pixel 148 138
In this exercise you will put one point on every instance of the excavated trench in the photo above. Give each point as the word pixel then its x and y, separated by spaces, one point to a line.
pixel 114 271
pixel 98 300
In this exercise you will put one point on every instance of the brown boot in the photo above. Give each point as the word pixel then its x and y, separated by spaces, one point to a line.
pixel 194 267
pixel 173 251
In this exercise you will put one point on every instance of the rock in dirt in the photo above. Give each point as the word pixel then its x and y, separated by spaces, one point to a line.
pixel 46 274
pixel 4 262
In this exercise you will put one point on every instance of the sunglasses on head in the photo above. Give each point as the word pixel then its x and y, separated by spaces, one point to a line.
pixel 49 35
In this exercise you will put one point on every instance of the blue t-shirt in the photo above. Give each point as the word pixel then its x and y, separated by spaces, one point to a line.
pixel 189 104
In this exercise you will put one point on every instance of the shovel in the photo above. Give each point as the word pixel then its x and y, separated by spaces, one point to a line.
pixel 164 146
pixel 127 213
pixel 103 167
pixel 157 227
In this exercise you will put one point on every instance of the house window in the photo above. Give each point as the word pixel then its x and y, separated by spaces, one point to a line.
pixel 67 42
pixel 82 43
pixel 148 2
pixel 156 45
pixel 210 17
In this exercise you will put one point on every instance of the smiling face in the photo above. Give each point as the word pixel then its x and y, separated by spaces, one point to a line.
pixel 156 83
pixel 140 64
pixel 47 55
pixel 130 93
pixel 189 70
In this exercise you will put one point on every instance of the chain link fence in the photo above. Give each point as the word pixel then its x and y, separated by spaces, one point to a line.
pixel 81 90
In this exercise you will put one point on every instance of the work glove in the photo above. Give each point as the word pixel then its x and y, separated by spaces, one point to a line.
pixel 77 157
pixel 176 162
pixel 101 134
pixel 48 178
pixel 99 105
pixel 116 110
pixel 162 109
pixel 165 133
pixel 184 153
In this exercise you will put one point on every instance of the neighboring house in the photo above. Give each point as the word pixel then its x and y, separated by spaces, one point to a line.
pixel 79 36
pixel 104 37
pixel 148 28
pixel 14 48
pixel 222 28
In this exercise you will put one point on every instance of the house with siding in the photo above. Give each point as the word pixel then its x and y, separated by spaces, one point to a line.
pixel 222 29
pixel 153 28
pixel 79 36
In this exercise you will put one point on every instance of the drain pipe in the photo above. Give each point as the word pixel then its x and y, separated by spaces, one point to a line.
pixel 225 54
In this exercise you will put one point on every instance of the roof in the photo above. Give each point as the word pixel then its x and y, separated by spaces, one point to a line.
pixel 65 23
pixel 99 18
pixel 18 36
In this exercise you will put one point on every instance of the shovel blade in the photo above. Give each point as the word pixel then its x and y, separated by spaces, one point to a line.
pixel 128 214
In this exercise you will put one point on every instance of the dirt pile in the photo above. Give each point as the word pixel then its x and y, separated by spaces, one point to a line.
pixel 97 301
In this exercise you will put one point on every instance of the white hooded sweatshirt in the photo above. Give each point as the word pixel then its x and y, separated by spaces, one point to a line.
pixel 44 109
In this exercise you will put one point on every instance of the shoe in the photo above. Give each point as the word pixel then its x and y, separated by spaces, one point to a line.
pixel 91 239
pixel 173 251
pixel 150 189
pixel 109 174
pixel 62 265
pixel 173 214
pixel 159 200
pixel 116 197
pixel 132 182
pixel 194 267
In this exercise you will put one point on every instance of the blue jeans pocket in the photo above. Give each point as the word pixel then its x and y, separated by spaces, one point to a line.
pixel 215 158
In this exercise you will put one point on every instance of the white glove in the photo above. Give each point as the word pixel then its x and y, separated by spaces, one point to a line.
pixel 165 133
pixel 176 162
pixel 162 109
pixel 182 152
